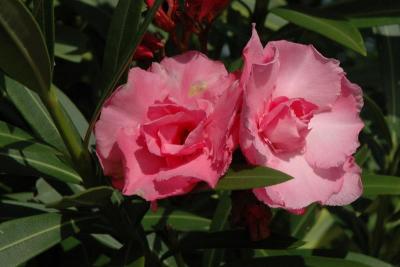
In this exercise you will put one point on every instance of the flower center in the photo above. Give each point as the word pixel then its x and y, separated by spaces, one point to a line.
pixel 197 88
pixel 284 123
pixel 171 129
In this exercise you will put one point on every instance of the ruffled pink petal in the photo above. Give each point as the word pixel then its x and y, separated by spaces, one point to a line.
pixel 308 185
pixel 254 53
pixel 197 168
pixel 192 74
pixel 334 134
pixel 305 73
pixel 352 186
pixel 139 166
pixel 127 107
pixel 257 92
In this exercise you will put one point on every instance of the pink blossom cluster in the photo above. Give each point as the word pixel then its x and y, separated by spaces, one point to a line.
pixel 177 124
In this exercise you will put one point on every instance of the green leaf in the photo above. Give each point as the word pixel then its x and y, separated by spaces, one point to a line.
pixel 235 239
pixel 34 112
pixel 367 260
pixel 23 53
pixel 93 197
pixel 248 178
pixel 319 230
pixel 45 192
pixel 107 241
pixel 365 8
pixel 11 209
pixel 43 11
pixel 21 154
pixel 316 261
pixel 123 28
pixel 300 225
pixel 375 114
pixel 179 220
pixel 375 184
pixel 212 258
pixel 13 136
pixel 307 253
pixel 340 31
pixel 72 111
pixel 24 238
pixel 296 260
pixel 367 13
pixel 369 22
pixel 388 41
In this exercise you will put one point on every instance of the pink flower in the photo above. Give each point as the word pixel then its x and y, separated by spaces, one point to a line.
pixel 169 127
pixel 300 115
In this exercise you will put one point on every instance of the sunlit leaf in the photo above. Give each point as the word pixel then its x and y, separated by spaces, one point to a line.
pixel 24 238
pixel 34 112
pixel 340 31
pixel 179 220
pixel 375 184
pixel 93 197
pixel 248 178
pixel 21 154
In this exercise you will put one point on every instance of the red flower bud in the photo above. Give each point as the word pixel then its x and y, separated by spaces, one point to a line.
pixel 165 15
pixel 205 11
pixel 149 45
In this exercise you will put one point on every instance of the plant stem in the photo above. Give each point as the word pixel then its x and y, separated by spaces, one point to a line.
pixel 79 154
pixel 260 14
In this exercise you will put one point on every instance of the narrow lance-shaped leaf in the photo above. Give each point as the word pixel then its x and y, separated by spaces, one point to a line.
pixel 235 239
pixel 340 31
pixel 24 238
pixel 249 178
pixel 375 114
pixel 375 184
pixel 93 197
pixel 367 13
pixel 124 62
pixel 34 112
pixel 23 53
pixel 179 220
pixel 295 260
pixel 213 257
pixel 123 28
pixel 388 38
pixel 43 11
pixel 21 154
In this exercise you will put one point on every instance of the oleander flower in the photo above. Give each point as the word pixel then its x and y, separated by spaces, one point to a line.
pixel 300 115
pixel 170 127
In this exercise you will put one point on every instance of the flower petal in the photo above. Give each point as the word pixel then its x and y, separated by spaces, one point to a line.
pixel 308 185
pixel 334 134
pixel 351 188
pixel 305 73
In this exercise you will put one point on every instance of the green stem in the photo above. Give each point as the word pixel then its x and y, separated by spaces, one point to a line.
pixel 260 14
pixel 79 154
